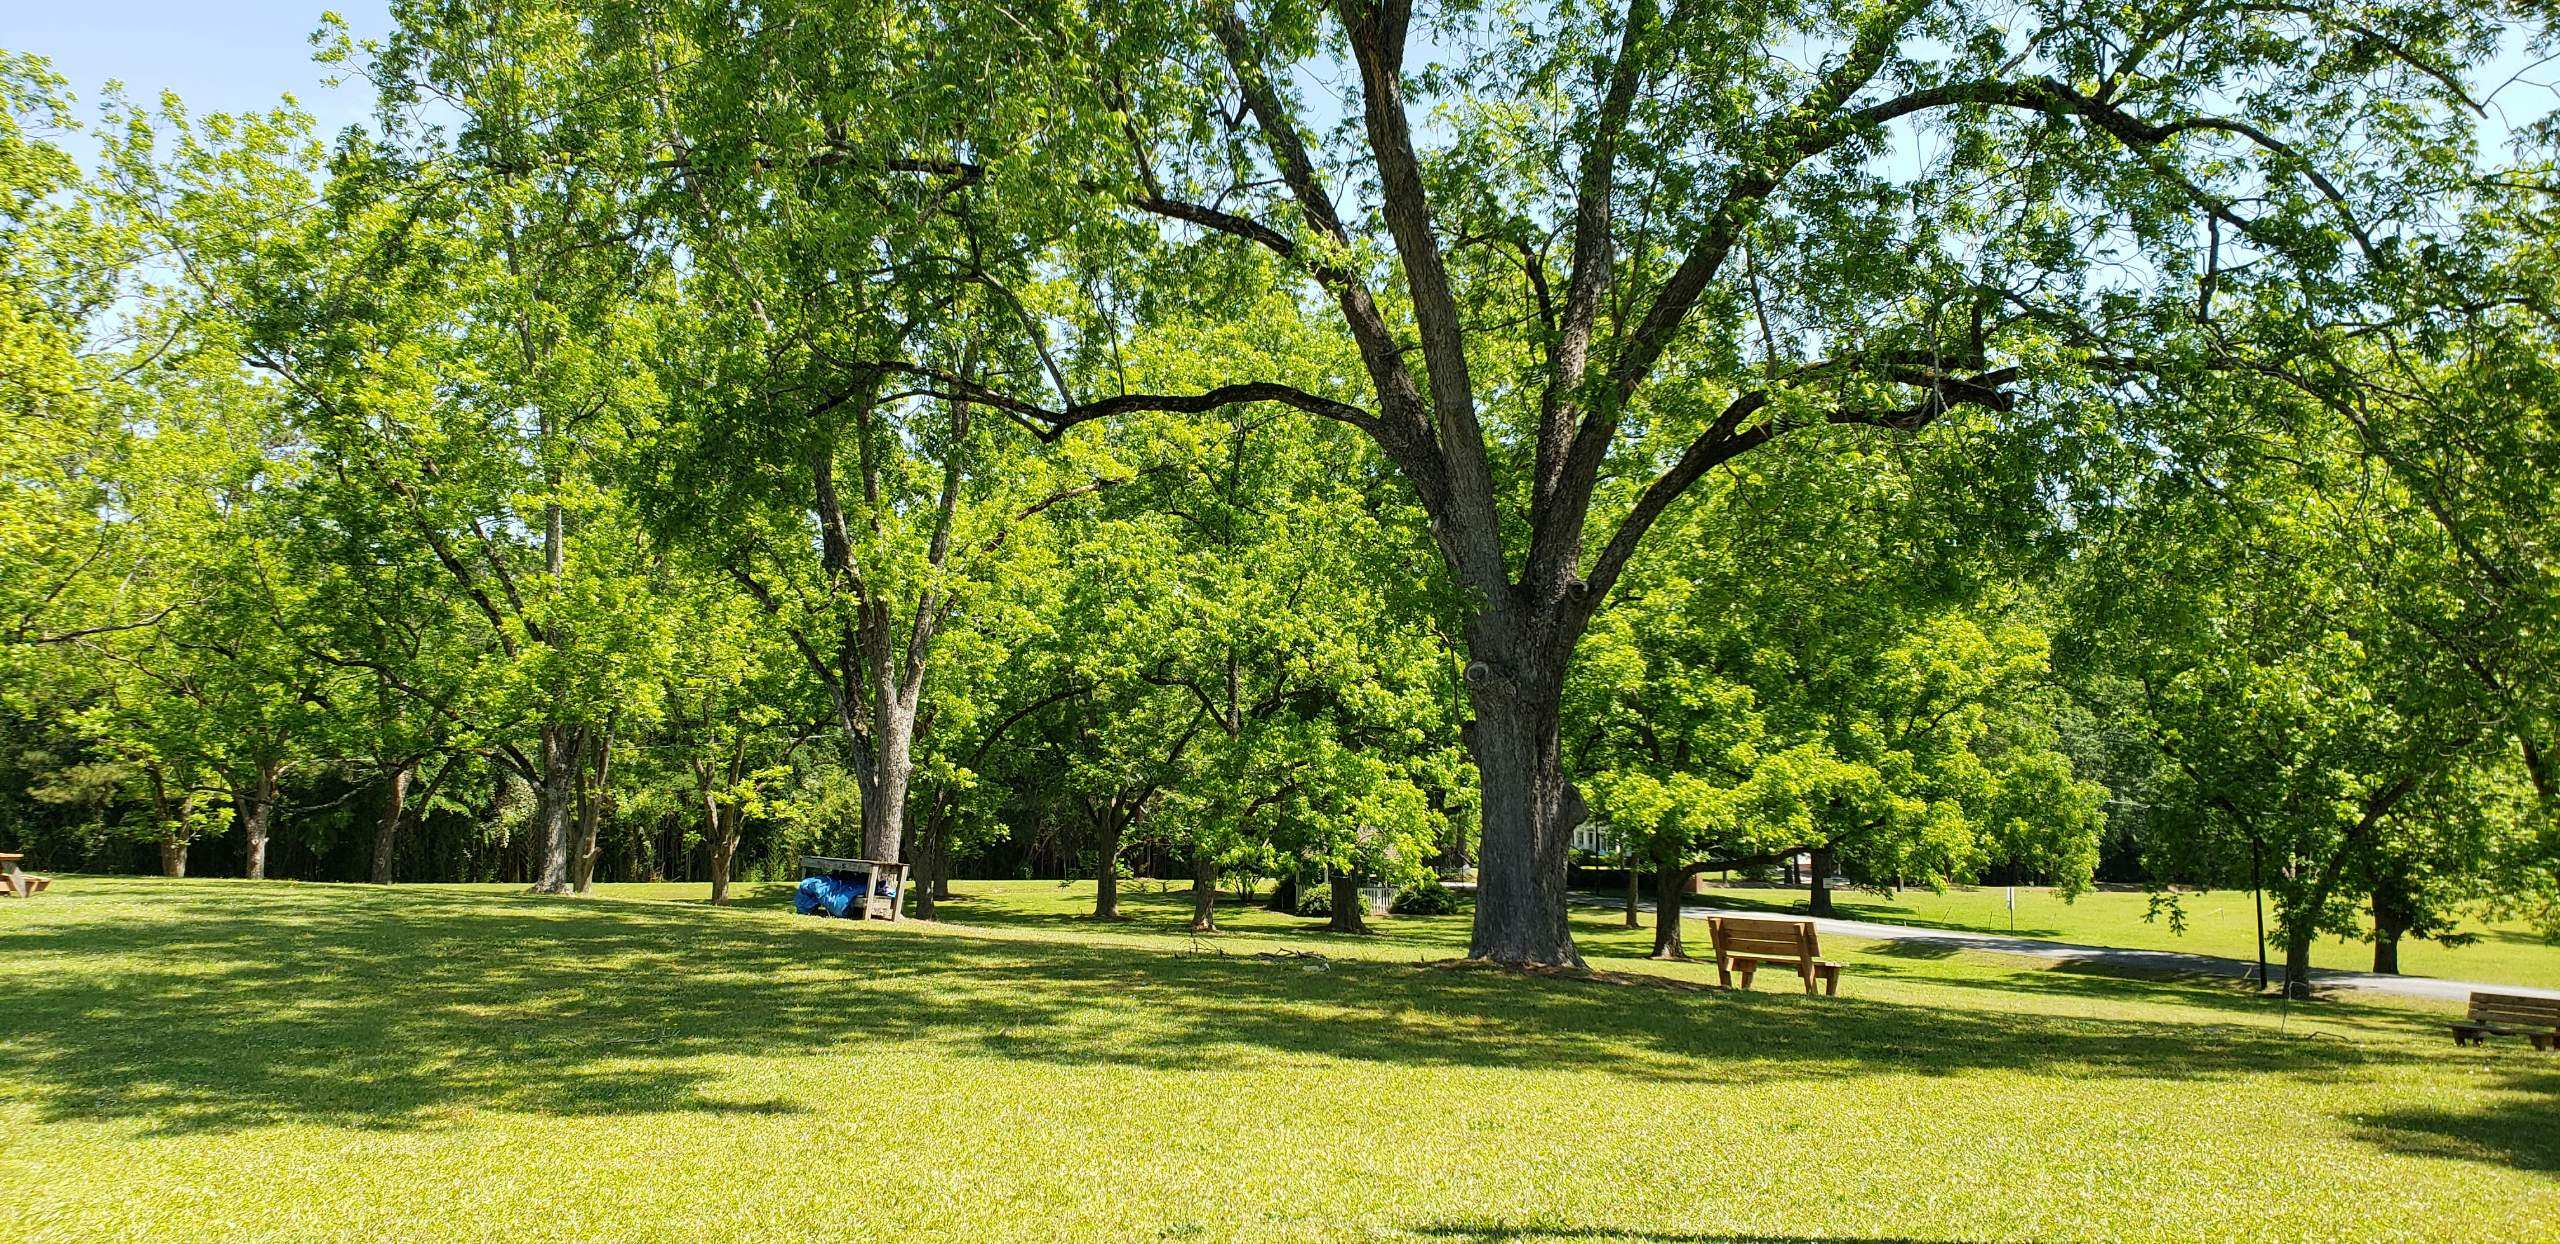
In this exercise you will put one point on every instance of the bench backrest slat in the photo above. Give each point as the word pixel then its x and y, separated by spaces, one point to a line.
pixel 1738 935
pixel 2509 1008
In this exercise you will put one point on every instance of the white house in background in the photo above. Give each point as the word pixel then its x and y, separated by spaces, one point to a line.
pixel 1594 836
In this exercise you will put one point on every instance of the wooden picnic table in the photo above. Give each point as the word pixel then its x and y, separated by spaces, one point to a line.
pixel 874 905
pixel 16 883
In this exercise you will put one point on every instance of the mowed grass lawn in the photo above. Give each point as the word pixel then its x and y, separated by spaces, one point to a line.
pixel 2219 922
pixel 221 1059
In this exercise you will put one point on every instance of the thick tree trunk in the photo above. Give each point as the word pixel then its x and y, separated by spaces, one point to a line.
pixel 1821 881
pixel 1346 916
pixel 1204 892
pixel 1668 882
pixel 1284 894
pixel 1525 836
pixel 253 828
pixel 719 833
pixel 386 831
pixel 723 849
pixel 2391 921
pixel 1106 880
pixel 929 885
pixel 559 770
pixel 592 802
pixel 2297 963
pixel 173 859
pixel 255 803
pixel 884 796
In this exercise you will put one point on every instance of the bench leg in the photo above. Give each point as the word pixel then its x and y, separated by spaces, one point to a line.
pixel 1724 975
pixel 1807 975
pixel 1831 982
pixel 2541 1042
pixel 1748 970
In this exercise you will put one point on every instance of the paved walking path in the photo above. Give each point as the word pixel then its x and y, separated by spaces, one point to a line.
pixel 2166 961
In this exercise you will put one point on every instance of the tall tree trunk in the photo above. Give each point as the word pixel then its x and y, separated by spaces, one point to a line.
pixel 559 741
pixel 255 802
pixel 926 883
pixel 173 857
pixel 1668 881
pixel 2391 920
pixel 884 796
pixel 721 819
pixel 2297 962
pixel 559 770
pixel 1525 837
pixel 386 830
pixel 721 850
pixel 1106 878
pixel 1204 891
pixel 1346 916
pixel 2386 953
pixel 1634 920
pixel 1821 881
pixel 592 803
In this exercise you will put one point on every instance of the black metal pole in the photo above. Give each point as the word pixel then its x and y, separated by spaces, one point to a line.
pixel 2259 897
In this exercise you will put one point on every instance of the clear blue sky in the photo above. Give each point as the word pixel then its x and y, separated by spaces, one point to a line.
pixel 218 55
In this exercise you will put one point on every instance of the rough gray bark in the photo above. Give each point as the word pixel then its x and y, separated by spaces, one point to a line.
pixel 1515 738
pixel 1106 878
pixel 594 801
pixel 386 829
pixel 255 802
pixel 1204 892
pixel 930 883
pixel 173 859
pixel 553 805
pixel 722 818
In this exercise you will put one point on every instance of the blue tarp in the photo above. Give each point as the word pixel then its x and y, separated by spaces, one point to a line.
pixel 833 895
pixel 826 896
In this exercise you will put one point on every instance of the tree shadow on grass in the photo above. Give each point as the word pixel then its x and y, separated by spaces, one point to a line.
pixel 2195 991
pixel 2519 1131
pixel 1145 909
pixel 210 1006
pixel 1917 950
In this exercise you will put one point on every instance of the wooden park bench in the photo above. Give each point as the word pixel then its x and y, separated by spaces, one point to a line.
pixel 18 884
pixel 875 905
pixel 2510 1015
pixel 1743 944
